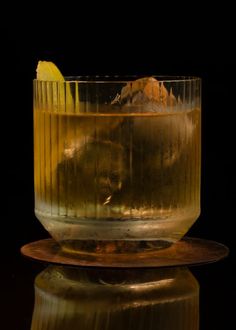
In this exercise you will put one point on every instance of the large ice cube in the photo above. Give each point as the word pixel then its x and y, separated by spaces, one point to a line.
pixel 167 136
pixel 92 173
pixel 164 126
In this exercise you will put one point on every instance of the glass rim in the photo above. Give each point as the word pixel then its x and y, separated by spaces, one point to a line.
pixel 105 79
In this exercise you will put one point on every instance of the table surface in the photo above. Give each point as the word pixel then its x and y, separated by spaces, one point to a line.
pixel 217 291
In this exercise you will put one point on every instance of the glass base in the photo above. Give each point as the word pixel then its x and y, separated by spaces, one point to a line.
pixel 112 236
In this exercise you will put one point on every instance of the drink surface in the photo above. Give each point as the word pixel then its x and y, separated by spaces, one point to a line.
pixel 117 176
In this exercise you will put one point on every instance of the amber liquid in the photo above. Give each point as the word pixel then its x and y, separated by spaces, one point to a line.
pixel 102 180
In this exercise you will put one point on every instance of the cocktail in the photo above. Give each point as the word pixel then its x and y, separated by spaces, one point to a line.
pixel 117 160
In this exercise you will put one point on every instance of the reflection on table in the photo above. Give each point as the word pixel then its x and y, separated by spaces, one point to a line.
pixel 140 299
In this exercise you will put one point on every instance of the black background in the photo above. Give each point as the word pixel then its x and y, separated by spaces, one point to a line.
pixel 92 41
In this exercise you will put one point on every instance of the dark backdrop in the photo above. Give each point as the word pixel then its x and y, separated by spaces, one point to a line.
pixel 199 43
pixel 122 49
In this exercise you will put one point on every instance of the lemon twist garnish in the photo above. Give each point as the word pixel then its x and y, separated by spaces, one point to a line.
pixel 48 71
pixel 61 97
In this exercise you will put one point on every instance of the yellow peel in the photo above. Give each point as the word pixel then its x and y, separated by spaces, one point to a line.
pixel 59 96
pixel 48 71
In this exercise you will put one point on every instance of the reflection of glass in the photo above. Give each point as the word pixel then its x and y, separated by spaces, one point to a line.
pixel 73 298
pixel 116 162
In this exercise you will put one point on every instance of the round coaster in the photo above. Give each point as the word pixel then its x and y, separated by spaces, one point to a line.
pixel 188 251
